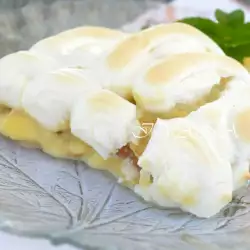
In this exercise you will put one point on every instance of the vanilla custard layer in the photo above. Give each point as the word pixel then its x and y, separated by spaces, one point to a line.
pixel 19 126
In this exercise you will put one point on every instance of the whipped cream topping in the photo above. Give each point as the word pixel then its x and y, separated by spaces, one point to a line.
pixel 104 120
pixel 199 160
pixel 49 98
pixel 19 68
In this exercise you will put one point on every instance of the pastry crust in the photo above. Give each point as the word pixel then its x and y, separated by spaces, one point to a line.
pixel 67 41
pixel 130 56
pixel 149 39
pixel 182 79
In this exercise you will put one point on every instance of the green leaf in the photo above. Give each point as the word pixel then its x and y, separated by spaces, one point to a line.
pixel 230 32
pixel 202 23
pixel 236 18
pixel 239 52
pixel 233 19
pixel 237 37
pixel 207 26
pixel 221 16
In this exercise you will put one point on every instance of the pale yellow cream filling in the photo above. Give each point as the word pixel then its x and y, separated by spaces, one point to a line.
pixel 19 126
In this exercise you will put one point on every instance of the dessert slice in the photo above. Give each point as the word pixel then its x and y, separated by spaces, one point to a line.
pixel 195 98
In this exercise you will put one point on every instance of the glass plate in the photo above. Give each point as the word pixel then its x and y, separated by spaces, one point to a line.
pixel 67 202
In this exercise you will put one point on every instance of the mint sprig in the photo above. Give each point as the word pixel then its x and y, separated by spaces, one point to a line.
pixel 229 31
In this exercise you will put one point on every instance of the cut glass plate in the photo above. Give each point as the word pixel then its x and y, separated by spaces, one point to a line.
pixel 67 202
